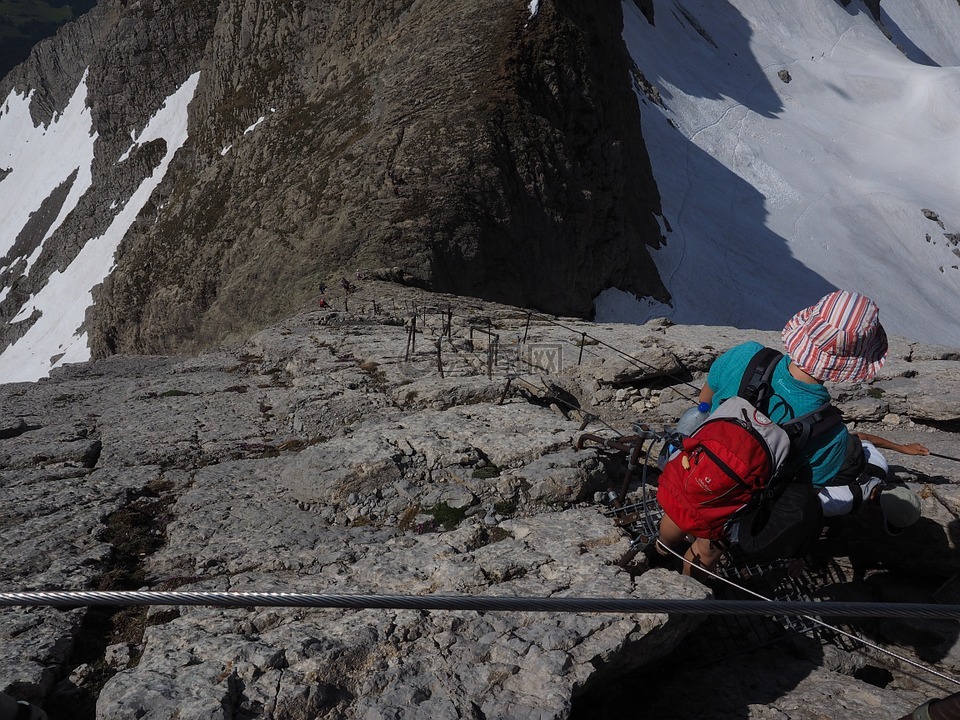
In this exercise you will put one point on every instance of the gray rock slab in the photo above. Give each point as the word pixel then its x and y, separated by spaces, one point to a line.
pixel 402 663
pixel 792 689
pixel 51 532
pixel 317 456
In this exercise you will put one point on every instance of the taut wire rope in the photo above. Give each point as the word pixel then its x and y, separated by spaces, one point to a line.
pixel 482 603
pixel 821 610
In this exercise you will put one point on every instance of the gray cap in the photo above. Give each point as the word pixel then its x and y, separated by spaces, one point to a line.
pixel 900 507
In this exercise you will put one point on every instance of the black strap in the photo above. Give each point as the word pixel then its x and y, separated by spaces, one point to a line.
pixel 857 492
pixel 755 386
pixel 805 428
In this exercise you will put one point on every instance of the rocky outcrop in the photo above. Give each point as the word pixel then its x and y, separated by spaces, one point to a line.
pixel 485 150
pixel 339 452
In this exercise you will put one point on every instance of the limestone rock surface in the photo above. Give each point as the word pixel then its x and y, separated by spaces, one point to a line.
pixel 338 452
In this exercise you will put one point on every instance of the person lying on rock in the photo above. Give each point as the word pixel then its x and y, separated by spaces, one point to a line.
pixel 838 339
pixel 899 506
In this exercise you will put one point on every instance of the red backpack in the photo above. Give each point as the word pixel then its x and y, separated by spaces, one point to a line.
pixel 735 455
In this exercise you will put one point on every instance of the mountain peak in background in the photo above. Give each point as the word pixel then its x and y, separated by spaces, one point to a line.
pixel 212 164
pixel 799 148
pixel 23 23
pixel 172 176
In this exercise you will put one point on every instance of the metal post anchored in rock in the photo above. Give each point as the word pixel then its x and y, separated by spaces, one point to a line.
pixel 411 338
pixel 439 356
pixel 506 389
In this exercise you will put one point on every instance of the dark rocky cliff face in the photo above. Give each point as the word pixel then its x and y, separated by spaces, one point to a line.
pixel 568 198
pixel 28 22
pixel 483 151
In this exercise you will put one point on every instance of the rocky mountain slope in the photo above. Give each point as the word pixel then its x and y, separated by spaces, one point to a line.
pixel 484 149
pixel 338 452
pixel 23 24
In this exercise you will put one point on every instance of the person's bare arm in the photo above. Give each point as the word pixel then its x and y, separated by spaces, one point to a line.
pixel 885 444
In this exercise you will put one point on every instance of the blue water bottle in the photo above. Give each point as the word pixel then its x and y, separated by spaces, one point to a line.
pixel 693 418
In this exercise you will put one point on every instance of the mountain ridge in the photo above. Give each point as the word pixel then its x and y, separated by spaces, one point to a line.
pixel 499 158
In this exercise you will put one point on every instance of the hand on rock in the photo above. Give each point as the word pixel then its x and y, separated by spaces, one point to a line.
pixel 914 449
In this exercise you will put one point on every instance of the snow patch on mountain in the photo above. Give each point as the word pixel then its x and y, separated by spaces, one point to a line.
pixel 40 158
pixel 796 146
pixel 56 336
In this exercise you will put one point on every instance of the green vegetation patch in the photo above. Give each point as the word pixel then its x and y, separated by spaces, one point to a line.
pixel 489 471
pixel 175 393
pixel 505 507
pixel 446 516
pixel 377 376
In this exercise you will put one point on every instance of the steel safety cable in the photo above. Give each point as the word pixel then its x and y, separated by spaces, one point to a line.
pixel 823 608
pixel 635 360
pixel 484 603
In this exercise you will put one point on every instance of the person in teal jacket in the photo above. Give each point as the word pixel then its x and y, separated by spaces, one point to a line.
pixel 795 393
pixel 838 339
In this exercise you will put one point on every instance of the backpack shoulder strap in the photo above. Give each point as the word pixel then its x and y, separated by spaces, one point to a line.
pixel 755 385
pixel 805 428
pixel 756 388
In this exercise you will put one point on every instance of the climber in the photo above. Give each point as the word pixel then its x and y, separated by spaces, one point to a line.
pixel 841 496
pixel 838 339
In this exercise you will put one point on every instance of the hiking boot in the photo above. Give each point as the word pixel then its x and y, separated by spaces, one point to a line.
pixel 900 507
pixel 661 559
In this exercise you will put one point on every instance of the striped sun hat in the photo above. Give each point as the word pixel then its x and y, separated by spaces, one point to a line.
pixel 840 339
